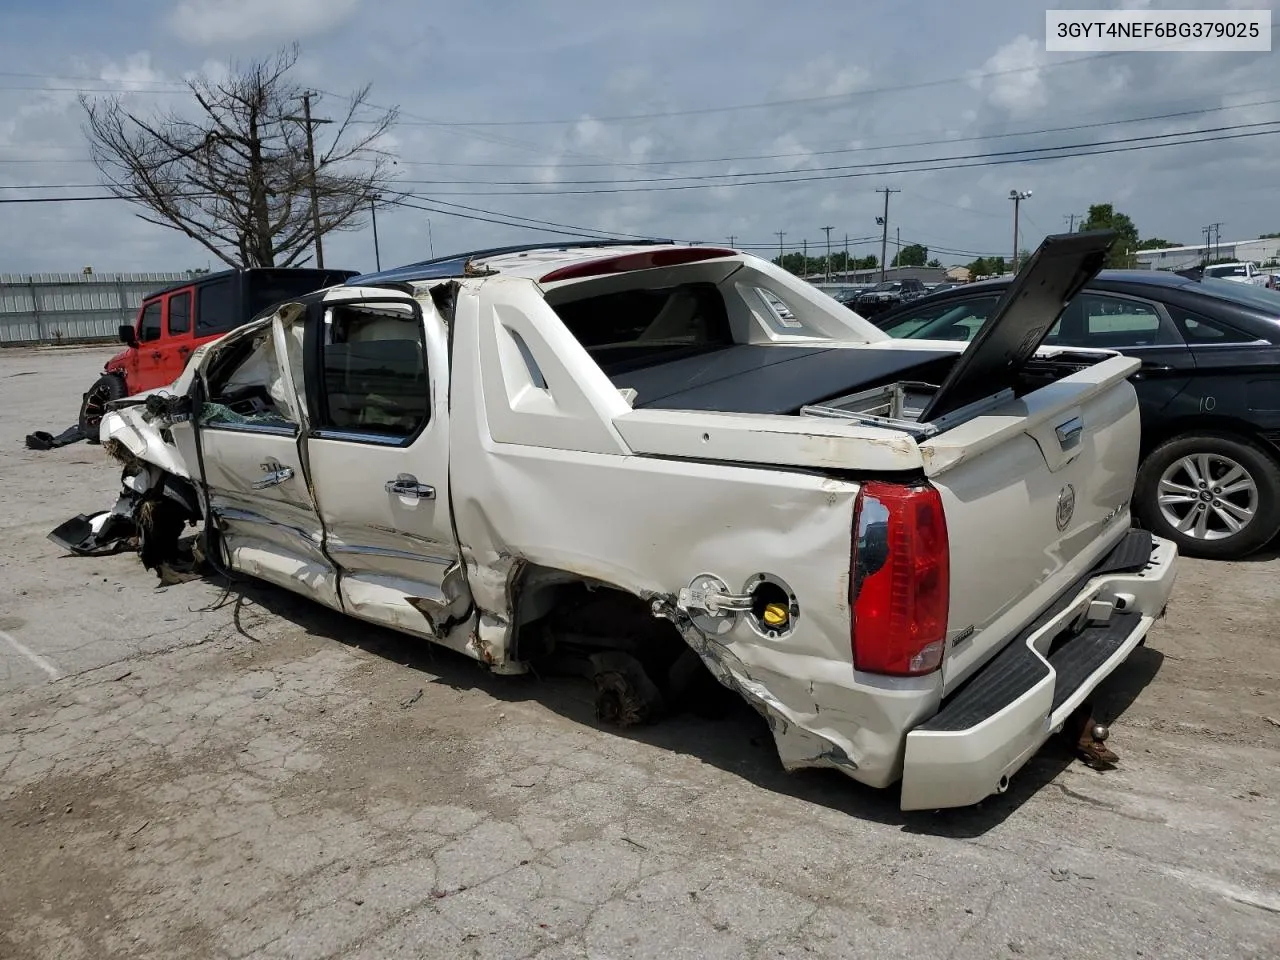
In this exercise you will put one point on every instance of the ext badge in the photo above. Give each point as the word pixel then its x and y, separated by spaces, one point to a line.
pixel 1066 506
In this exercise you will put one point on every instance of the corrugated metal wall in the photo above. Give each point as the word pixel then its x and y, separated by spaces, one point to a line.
pixel 70 307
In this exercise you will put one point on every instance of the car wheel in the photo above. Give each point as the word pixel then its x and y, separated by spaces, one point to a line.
pixel 108 387
pixel 1215 496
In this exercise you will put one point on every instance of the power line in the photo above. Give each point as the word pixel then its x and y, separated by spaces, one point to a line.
pixel 795 101
pixel 773 156
pixel 55 76
pixel 935 164
pixel 863 149
pixel 512 216
pixel 842 167
pixel 402 199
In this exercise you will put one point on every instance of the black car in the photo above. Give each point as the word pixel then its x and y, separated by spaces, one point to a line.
pixel 885 296
pixel 1208 389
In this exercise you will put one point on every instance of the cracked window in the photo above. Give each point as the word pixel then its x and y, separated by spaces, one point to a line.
pixel 247 386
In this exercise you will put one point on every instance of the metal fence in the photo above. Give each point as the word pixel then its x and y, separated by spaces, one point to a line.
pixel 73 307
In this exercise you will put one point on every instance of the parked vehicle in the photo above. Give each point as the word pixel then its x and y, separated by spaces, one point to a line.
pixel 884 296
pixel 1209 388
pixel 173 322
pixel 1244 272
pixel 621 456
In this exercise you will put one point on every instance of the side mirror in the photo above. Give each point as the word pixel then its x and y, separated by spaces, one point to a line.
pixel 128 336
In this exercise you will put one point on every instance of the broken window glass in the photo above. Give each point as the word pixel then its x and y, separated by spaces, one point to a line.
pixel 248 388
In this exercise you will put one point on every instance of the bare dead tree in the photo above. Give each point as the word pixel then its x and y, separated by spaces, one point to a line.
pixel 234 173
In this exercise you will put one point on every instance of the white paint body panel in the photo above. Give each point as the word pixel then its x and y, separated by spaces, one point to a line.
pixel 538 460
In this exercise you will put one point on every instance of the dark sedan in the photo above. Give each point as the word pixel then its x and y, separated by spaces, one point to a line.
pixel 1209 391
pixel 885 296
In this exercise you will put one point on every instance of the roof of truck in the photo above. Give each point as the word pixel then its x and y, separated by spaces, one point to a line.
pixel 538 261
pixel 202 279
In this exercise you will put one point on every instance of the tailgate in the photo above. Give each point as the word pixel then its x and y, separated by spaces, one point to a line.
pixel 1034 493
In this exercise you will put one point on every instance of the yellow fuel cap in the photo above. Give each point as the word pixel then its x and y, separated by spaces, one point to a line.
pixel 775 614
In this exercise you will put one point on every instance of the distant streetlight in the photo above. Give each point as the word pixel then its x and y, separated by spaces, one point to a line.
pixel 1017 196
pixel 373 213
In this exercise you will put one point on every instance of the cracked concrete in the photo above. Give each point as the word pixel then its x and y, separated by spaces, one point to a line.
pixel 250 783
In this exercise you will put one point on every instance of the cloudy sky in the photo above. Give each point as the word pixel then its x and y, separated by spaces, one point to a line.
pixel 508 106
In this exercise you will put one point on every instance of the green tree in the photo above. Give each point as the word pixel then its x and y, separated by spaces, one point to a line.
pixel 1269 236
pixel 1156 243
pixel 1103 216
pixel 935 262
pixel 979 268
pixel 912 255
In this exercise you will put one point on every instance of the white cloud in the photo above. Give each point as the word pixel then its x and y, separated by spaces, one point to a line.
pixel 1012 77
pixel 825 76
pixel 136 73
pixel 209 22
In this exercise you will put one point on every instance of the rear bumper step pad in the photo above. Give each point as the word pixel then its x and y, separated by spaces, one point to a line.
pixel 993 724
pixel 1016 669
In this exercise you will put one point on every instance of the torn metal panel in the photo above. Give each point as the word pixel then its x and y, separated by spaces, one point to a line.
pixel 125 433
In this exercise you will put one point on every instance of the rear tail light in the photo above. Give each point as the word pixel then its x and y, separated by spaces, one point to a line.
pixel 899 584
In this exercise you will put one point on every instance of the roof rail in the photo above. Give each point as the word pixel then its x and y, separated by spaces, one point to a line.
pixel 455 264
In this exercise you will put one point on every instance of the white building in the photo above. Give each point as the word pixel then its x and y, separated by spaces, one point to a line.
pixel 1179 258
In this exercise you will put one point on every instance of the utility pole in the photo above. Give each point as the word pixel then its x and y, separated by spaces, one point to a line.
pixel 1071 222
pixel 897 243
pixel 804 246
pixel 373 214
pixel 311 164
pixel 846 257
pixel 828 231
pixel 781 234
pixel 732 238
pixel 884 223
pixel 1217 241
pixel 1208 234
pixel 1017 196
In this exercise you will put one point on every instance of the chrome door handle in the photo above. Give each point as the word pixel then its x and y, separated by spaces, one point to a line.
pixel 407 485
pixel 1069 432
pixel 273 478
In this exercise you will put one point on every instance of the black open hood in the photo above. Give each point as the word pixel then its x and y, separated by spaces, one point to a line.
pixel 1032 304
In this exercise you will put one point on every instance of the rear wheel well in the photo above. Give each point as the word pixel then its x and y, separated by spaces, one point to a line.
pixel 597 629
pixel 551 606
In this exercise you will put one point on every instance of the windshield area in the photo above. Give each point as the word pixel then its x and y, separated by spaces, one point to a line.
pixel 1230 270
pixel 887 286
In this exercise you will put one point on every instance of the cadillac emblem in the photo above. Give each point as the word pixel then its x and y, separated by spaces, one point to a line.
pixel 1066 506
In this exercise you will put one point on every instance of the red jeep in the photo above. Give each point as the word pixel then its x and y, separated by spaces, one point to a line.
pixel 173 322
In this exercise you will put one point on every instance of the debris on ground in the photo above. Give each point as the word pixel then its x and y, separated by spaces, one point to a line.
pixel 410 701
pixel 43 440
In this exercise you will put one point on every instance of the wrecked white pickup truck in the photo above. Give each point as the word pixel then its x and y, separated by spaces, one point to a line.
pixel 914 559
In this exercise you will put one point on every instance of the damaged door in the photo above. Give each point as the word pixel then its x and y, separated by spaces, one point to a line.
pixel 378 449
pixel 250 428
